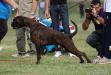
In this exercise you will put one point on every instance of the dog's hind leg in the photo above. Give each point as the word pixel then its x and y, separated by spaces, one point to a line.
pixel 74 51
pixel 69 45
pixel 80 54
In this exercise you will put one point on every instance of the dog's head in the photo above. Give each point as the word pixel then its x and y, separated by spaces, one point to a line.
pixel 17 22
pixel 20 21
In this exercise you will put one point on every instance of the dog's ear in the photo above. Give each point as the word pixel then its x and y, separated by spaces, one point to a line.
pixel 19 19
pixel 29 21
pixel 23 20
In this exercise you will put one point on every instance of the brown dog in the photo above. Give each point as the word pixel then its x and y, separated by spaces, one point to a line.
pixel 42 35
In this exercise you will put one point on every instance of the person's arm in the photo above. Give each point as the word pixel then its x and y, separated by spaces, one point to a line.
pixel 86 22
pixel 100 19
pixel 34 6
pixel 12 3
pixel 47 5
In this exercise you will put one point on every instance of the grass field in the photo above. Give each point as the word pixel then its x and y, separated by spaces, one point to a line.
pixel 65 65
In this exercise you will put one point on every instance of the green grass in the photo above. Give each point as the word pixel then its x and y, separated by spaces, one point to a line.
pixel 65 65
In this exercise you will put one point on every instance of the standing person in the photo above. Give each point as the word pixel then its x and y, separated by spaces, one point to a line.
pixel 96 15
pixel 58 12
pixel 5 10
pixel 27 8
pixel 81 9
pixel 106 45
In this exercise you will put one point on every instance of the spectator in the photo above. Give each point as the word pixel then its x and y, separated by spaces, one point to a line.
pixel 58 12
pixel 81 9
pixel 106 45
pixel 96 15
pixel 4 16
pixel 27 8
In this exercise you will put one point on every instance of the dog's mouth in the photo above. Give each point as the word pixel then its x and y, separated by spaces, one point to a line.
pixel 15 27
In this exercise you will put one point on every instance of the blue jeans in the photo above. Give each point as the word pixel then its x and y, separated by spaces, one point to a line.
pixel 3 29
pixel 59 13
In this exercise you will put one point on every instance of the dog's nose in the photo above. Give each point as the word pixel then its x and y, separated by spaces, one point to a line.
pixel 13 26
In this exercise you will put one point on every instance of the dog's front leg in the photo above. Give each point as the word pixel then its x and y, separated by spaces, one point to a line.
pixel 38 51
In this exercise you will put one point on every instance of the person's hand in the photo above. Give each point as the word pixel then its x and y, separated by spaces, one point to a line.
pixel 88 15
pixel 94 12
pixel 15 7
pixel 32 17
pixel 47 15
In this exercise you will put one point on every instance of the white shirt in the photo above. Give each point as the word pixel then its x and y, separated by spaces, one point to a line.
pixel 42 4
pixel 107 5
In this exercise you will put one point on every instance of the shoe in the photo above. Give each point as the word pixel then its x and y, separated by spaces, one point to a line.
pixel 18 55
pixel 1 48
pixel 104 60
pixel 97 59
pixel 31 52
pixel 57 54
pixel 71 55
pixel 26 55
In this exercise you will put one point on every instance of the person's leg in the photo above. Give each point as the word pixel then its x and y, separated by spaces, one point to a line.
pixel 54 12
pixel 31 45
pixel 94 40
pixel 81 9
pixel 26 33
pixel 20 42
pixel 65 18
pixel 41 13
pixel 107 36
pixel 3 29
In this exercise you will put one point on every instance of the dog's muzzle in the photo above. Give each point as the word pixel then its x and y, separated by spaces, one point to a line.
pixel 13 25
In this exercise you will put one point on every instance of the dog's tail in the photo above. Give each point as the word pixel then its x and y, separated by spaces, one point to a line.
pixel 76 29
